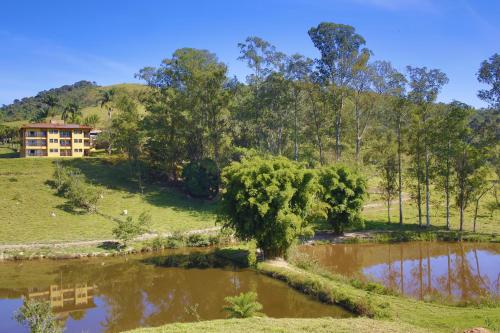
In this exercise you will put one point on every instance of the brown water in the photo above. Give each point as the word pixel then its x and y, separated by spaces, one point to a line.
pixel 450 271
pixel 115 294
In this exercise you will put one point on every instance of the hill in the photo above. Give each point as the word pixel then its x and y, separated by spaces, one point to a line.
pixel 88 95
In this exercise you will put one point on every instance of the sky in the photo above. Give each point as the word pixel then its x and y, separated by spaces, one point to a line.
pixel 46 44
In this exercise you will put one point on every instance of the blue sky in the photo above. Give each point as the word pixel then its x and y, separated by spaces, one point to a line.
pixel 45 44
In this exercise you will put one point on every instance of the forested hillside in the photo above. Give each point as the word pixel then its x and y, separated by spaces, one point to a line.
pixel 85 92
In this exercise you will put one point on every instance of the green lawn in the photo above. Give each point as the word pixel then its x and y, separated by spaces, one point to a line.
pixel 27 201
pixel 376 217
pixel 289 325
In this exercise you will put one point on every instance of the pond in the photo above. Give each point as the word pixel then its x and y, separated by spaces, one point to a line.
pixel 121 293
pixel 455 272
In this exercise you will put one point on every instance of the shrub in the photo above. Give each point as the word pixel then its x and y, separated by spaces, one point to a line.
pixel 244 305
pixel 130 228
pixel 198 240
pixel 342 193
pixel 71 184
pixel 38 317
pixel 269 200
pixel 202 178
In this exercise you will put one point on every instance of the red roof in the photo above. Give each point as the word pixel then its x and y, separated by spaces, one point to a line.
pixel 56 126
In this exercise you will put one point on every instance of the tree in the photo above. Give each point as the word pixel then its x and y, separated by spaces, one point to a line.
pixel 298 69
pixel 128 135
pixel 106 100
pixel 91 120
pixel 130 228
pixel 244 305
pixel 388 168
pixel 425 86
pixel 71 112
pixel 188 109
pixel 51 101
pixel 489 73
pixel 342 53
pixel 38 317
pixel 391 84
pixel 202 178
pixel 451 125
pixel 341 193
pixel 269 200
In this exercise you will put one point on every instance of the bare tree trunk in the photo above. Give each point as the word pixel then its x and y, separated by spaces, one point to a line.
pixel 426 156
pixel 419 194
pixel 388 210
pixel 358 134
pixel 447 186
pixel 338 124
pixel 462 209
pixel 400 176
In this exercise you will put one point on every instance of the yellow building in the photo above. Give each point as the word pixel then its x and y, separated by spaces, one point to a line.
pixel 55 139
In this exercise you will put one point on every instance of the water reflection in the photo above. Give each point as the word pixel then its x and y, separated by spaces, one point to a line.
pixel 449 271
pixel 116 294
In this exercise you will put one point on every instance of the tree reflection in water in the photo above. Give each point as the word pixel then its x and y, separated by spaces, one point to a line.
pixel 454 272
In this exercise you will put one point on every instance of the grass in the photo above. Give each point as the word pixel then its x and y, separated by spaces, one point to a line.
pixel 431 316
pixel 290 325
pixel 28 200
pixel 375 214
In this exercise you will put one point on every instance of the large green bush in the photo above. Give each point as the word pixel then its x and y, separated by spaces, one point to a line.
pixel 342 193
pixel 71 184
pixel 202 178
pixel 269 200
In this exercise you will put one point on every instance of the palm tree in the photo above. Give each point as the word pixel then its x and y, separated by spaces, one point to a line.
pixel 244 305
pixel 106 99
pixel 51 101
pixel 91 120
pixel 71 111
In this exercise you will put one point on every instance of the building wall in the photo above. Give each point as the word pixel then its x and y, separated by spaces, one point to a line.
pixel 55 142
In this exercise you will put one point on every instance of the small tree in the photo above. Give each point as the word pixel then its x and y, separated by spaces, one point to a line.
pixel 269 200
pixel 244 305
pixel 342 193
pixel 201 178
pixel 388 182
pixel 38 317
pixel 130 228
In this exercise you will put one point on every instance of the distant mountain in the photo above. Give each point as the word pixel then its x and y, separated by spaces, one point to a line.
pixel 85 93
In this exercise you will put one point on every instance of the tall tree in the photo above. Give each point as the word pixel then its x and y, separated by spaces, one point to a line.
pixel 425 86
pixel 298 70
pixel 342 52
pixel 391 86
pixel 489 73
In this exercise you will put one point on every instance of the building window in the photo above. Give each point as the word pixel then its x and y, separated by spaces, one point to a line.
pixel 53 131
pixel 54 150
pixel 54 140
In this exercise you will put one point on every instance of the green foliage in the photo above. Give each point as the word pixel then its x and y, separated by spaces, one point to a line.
pixel 128 229
pixel 91 120
pixel 269 200
pixel 202 178
pixel 71 184
pixel 50 101
pixel 244 305
pixel 489 73
pixel 38 317
pixel 342 193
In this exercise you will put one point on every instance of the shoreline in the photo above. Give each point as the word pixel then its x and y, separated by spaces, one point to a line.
pixel 157 242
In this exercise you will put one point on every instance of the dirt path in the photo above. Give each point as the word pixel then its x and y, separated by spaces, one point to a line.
pixel 97 242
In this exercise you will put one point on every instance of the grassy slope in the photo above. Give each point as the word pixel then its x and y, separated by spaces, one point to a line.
pixel 27 202
pixel 432 316
pixel 286 325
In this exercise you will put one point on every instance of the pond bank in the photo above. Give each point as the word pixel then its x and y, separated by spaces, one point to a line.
pixel 207 237
pixel 431 316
